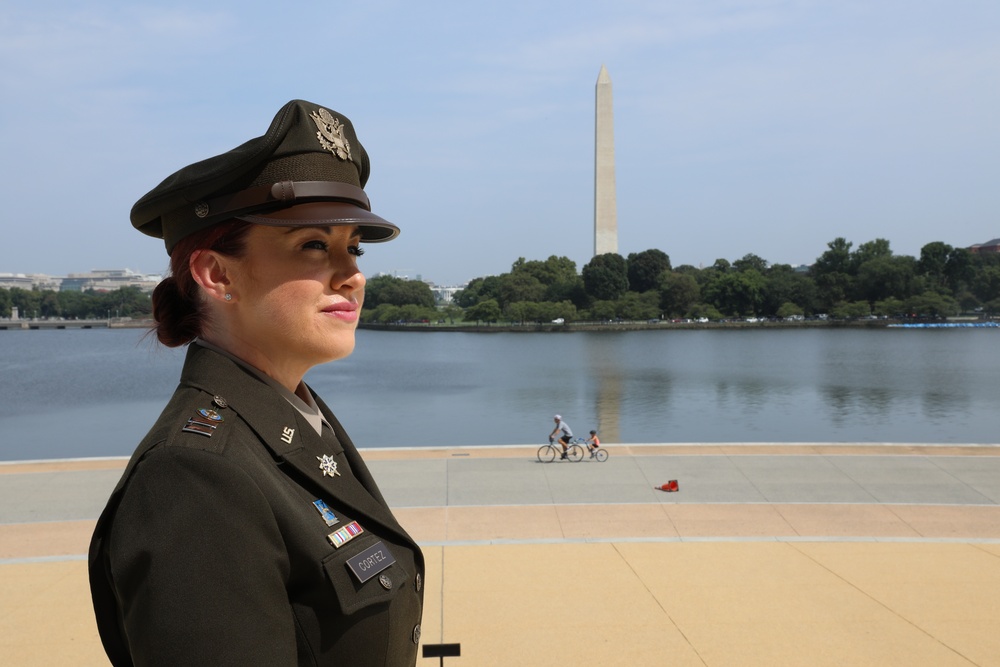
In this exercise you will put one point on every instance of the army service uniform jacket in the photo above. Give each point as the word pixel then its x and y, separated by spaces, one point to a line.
pixel 239 536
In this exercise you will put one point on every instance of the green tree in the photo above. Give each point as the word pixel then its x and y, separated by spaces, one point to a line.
pixel 737 293
pixel 707 311
pixel 851 310
pixel 786 285
pixel 635 306
pixel 832 273
pixel 789 309
pixel 28 302
pixel 986 284
pixel 932 262
pixel 603 310
pixel 644 269
pixel 478 289
pixel 866 252
pixel 552 271
pixel 398 292
pixel 750 261
pixel 885 276
pixel 931 304
pixel 678 292
pixel 889 307
pixel 519 286
pixel 606 276
pixel 484 311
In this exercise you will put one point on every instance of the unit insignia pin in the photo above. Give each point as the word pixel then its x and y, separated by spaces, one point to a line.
pixel 328 465
pixel 210 414
pixel 326 512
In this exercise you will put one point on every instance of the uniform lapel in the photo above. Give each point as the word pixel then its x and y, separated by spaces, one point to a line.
pixel 291 440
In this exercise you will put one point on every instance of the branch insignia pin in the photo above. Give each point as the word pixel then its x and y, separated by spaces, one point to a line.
pixel 328 466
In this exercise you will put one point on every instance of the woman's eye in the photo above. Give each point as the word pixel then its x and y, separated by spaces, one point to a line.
pixel 357 251
pixel 316 245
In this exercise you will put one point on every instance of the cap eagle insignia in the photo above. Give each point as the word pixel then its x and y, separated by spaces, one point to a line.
pixel 331 134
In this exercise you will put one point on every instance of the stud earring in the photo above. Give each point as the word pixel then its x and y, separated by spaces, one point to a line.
pixel 228 297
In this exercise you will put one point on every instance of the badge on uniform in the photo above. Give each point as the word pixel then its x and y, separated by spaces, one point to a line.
pixel 204 422
pixel 339 538
pixel 327 465
pixel 326 512
pixel 371 561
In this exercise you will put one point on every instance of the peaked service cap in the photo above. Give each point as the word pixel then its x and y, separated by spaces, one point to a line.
pixel 308 169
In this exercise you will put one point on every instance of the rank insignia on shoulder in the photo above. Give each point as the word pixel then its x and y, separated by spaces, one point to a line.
pixel 340 537
pixel 325 512
pixel 204 422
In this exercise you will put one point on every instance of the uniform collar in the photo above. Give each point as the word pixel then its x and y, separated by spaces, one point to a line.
pixel 307 408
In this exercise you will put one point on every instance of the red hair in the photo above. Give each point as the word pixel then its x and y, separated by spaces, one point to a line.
pixel 177 305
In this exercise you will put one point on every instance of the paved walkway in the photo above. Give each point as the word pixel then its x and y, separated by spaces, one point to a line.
pixel 768 555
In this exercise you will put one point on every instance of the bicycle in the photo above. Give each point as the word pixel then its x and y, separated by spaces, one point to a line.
pixel 600 454
pixel 548 453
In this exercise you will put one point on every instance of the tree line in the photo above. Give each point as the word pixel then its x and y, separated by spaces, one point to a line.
pixel 844 283
pixel 86 305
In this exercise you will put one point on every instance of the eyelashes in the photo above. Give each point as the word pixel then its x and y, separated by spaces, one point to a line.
pixel 357 251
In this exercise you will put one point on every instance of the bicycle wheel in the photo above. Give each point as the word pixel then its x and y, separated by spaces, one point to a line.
pixel 601 455
pixel 546 453
pixel 574 453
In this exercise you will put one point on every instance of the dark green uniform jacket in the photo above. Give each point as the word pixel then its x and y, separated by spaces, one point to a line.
pixel 213 550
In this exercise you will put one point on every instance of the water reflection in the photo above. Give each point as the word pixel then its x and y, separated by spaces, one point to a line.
pixel 62 388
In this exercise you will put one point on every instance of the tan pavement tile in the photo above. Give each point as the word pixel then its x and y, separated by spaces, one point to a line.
pixel 769 604
pixel 554 605
pixel 424 524
pixel 845 521
pixel 611 521
pixel 56 538
pixel 503 523
pixel 961 522
pixel 46 617
pixel 728 520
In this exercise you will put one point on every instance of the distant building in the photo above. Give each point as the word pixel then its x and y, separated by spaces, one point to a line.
pixel 109 281
pixel 987 248
pixel 444 294
pixel 29 281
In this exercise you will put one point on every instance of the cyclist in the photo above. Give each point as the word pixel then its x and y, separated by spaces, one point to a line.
pixel 593 444
pixel 567 433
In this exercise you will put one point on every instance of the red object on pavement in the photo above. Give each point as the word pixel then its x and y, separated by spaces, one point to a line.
pixel 669 486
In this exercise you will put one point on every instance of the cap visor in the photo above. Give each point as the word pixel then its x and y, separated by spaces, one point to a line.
pixel 373 228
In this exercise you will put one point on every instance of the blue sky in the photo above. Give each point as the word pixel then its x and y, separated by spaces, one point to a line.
pixel 741 126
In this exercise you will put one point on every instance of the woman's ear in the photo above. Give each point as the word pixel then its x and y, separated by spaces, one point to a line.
pixel 210 270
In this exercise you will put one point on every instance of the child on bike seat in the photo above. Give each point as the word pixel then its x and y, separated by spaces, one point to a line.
pixel 593 443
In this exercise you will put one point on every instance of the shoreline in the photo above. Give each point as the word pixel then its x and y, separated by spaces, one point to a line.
pixel 667 325
pixel 619 449
pixel 568 327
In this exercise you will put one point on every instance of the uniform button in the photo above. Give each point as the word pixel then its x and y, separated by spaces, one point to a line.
pixel 385 581
pixel 416 634
pixel 220 402
pixel 418 582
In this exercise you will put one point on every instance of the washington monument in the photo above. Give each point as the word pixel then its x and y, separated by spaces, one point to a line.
pixel 605 207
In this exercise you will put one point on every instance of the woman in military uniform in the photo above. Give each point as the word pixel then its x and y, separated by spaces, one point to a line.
pixel 246 529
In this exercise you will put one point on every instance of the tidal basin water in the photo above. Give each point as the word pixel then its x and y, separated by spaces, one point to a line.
pixel 82 393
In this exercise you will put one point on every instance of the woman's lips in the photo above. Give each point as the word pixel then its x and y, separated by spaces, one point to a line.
pixel 343 310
